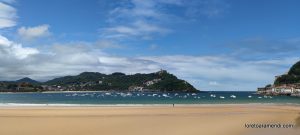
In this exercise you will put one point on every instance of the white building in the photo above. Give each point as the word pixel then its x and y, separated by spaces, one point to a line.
pixel 283 90
pixel 148 83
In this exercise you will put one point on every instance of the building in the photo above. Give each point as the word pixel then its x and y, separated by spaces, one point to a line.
pixel 283 89
pixel 286 89
pixel 148 83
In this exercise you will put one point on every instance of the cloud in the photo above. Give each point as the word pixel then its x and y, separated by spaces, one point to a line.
pixel 229 72
pixel 262 48
pixel 14 50
pixel 136 19
pixel 152 18
pixel 7 15
pixel 137 29
pixel 30 33
pixel 72 58
pixel 66 59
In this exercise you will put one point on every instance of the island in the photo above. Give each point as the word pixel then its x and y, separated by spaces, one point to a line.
pixel 286 84
pixel 160 81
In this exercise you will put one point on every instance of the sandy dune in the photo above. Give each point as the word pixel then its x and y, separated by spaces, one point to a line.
pixel 155 120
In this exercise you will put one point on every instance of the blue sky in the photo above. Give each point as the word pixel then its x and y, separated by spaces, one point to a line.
pixel 214 44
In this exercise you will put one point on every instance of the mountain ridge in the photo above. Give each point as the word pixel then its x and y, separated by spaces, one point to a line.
pixel 95 81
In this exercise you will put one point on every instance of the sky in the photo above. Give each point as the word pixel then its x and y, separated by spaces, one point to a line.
pixel 223 45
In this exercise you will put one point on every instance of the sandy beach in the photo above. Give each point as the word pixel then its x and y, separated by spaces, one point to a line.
pixel 149 120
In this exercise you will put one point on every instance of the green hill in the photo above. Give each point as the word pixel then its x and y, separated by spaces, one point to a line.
pixel 159 81
pixel 293 76
pixel 94 81
pixel 81 78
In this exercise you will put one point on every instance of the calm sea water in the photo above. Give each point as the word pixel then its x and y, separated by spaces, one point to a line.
pixel 102 98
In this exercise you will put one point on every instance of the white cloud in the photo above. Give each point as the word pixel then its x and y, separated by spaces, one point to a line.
pixel 11 49
pixel 136 29
pixel 70 59
pixel 151 18
pixel 142 19
pixel 7 15
pixel 34 32
pixel 230 73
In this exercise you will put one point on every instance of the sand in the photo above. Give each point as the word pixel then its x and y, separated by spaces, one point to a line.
pixel 148 120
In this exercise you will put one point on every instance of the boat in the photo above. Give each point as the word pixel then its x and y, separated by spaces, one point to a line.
pixel 233 96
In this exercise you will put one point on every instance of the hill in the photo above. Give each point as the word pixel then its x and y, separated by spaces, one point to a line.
pixel 159 81
pixel 27 80
pixel 286 84
pixel 293 76
pixel 94 81
pixel 81 78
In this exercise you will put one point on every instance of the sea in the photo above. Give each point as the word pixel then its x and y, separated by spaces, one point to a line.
pixel 138 98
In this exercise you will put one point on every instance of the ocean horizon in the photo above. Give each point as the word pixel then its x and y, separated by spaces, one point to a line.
pixel 140 98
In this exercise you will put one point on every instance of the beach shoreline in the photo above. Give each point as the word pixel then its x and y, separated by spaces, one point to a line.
pixel 136 120
pixel 3 105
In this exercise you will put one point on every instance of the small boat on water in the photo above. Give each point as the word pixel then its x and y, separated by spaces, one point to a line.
pixel 165 95
pixel 233 96
pixel 212 95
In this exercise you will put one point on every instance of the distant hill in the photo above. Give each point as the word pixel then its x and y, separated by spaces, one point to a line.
pixel 21 85
pixel 293 76
pixel 158 81
pixel 94 81
pixel 27 80
pixel 81 78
